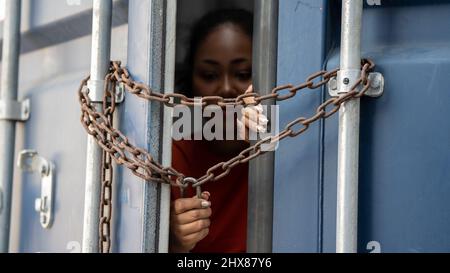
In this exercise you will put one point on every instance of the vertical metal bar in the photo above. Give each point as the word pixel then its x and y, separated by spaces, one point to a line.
pixel 169 85
pixel 100 58
pixel 260 188
pixel 156 197
pixel 147 204
pixel 9 86
pixel 348 146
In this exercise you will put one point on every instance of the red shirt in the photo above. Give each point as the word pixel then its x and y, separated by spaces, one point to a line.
pixel 228 230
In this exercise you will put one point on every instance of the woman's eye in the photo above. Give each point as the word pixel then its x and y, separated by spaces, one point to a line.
pixel 244 75
pixel 208 76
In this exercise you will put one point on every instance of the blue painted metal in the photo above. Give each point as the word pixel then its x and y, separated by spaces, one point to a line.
pixel 301 42
pixel 405 147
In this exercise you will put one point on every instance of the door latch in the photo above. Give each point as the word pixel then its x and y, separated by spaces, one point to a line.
pixel 375 90
pixel 30 161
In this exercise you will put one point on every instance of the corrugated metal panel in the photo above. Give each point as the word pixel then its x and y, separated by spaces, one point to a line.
pixel 405 148
pixel 50 78
pixel 301 41
pixel 49 22
pixel 404 142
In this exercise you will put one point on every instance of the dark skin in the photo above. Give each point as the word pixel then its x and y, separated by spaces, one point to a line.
pixel 222 67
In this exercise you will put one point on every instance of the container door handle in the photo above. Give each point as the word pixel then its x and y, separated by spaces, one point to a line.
pixel 30 161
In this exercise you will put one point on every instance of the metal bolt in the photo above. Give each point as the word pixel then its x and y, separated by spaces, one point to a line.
pixel 120 92
pixel 44 169
pixel 346 81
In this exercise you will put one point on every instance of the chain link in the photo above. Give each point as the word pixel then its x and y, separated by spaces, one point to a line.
pixel 109 105
pixel 141 163
pixel 116 146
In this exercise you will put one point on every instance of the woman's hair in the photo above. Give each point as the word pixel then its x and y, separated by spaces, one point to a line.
pixel 200 31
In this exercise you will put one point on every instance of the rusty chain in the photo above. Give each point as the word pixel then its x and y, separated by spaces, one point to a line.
pixel 141 163
pixel 117 147
pixel 121 75
pixel 106 180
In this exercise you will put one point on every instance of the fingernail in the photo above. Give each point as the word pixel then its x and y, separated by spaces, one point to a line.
pixel 206 193
pixel 241 135
pixel 261 129
pixel 263 119
pixel 259 108
pixel 206 204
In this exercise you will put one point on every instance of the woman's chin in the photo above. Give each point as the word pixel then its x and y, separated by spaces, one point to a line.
pixel 228 147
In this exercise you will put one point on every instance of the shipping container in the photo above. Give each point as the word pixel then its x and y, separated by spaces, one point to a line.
pixel 402 178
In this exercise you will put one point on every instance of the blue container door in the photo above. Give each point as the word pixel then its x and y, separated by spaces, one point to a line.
pixel 405 135
pixel 301 51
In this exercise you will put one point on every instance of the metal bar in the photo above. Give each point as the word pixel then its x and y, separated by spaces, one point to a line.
pixel 100 58
pixel 261 172
pixel 9 85
pixel 169 85
pixel 147 62
pixel 65 29
pixel 348 146
pixel 152 192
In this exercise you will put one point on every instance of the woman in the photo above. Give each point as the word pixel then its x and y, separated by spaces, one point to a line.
pixel 219 64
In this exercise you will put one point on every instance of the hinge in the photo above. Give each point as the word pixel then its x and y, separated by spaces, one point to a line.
pixel 95 91
pixel 30 161
pixel 344 82
pixel 15 110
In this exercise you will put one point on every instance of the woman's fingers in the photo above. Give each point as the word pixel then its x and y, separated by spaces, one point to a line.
pixel 254 126
pixel 192 216
pixel 194 227
pixel 186 242
pixel 254 113
pixel 191 240
pixel 183 205
pixel 249 89
pixel 249 100
pixel 206 195
pixel 189 221
pixel 253 118
pixel 242 130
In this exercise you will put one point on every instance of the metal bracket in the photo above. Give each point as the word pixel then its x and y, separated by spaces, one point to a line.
pixel 95 91
pixel 376 85
pixel 15 110
pixel 30 161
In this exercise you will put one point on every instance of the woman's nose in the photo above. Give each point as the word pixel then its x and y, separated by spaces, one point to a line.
pixel 227 89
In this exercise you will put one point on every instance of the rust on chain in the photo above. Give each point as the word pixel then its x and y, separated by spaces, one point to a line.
pixel 107 173
pixel 118 148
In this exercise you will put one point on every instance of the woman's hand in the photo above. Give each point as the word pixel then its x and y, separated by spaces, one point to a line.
pixel 252 119
pixel 189 222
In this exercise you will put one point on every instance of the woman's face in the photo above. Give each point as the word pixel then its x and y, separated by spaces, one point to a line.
pixel 223 63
